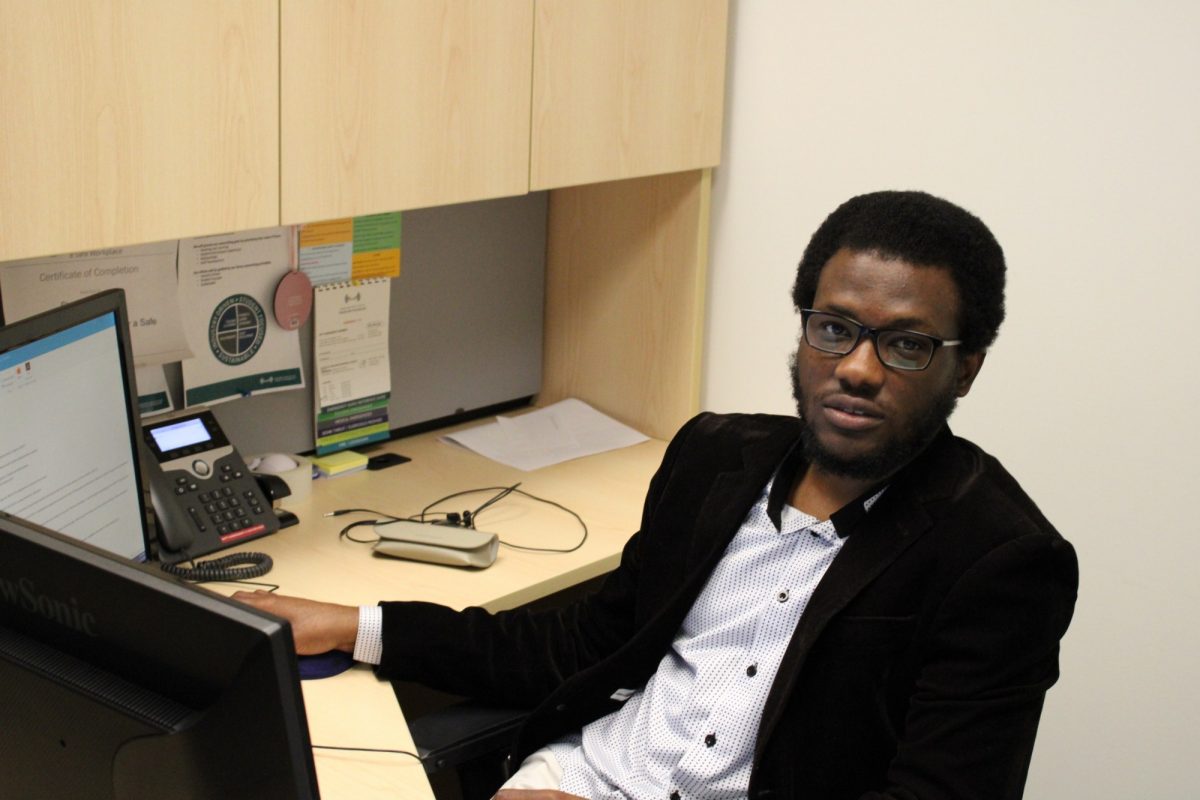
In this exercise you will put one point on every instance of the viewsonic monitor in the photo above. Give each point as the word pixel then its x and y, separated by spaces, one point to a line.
pixel 69 424
pixel 117 681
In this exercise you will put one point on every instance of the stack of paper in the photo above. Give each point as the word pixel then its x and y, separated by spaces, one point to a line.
pixel 559 432
pixel 340 463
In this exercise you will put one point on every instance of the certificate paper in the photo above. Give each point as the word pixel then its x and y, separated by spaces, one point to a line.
pixel 350 349
pixel 227 290
pixel 146 272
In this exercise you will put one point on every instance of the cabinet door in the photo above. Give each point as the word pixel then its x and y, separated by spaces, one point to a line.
pixel 395 104
pixel 625 88
pixel 130 121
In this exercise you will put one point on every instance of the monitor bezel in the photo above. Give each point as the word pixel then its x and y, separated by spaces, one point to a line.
pixel 206 681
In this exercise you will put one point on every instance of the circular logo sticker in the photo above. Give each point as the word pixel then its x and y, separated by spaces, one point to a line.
pixel 237 329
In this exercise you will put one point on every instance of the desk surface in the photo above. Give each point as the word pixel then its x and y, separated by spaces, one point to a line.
pixel 311 560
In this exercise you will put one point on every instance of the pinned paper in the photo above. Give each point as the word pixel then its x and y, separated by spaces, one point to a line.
pixel 353 373
pixel 351 249
pixel 146 272
pixel 227 290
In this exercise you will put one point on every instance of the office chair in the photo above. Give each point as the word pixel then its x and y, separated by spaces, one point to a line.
pixel 471 741
pixel 467 739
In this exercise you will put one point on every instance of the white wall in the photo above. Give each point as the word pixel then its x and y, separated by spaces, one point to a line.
pixel 1073 130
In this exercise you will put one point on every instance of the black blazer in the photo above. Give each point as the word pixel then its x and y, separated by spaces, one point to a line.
pixel 917 671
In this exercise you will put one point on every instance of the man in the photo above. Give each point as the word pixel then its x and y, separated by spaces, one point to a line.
pixel 849 604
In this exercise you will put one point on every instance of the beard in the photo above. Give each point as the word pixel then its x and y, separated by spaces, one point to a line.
pixel 889 456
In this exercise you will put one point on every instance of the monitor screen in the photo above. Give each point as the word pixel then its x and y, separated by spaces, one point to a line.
pixel 69 424
pixel 117 681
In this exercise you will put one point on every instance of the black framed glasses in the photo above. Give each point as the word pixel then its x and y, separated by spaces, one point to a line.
pixel 833 333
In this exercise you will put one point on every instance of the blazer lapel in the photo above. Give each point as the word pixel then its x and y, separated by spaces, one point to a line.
pixel 728 500
pixel 718 516
pixel 891 527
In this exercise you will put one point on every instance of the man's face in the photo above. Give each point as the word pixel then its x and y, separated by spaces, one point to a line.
pixel 866 420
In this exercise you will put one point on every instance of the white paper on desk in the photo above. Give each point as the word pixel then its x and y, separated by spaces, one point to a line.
pixel 146 272
pixel 227 294
pixel 560 432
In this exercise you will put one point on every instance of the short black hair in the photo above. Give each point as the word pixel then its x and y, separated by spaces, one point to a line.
pixel 924 231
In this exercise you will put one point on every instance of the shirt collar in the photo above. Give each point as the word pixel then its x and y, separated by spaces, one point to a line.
pixel 844 520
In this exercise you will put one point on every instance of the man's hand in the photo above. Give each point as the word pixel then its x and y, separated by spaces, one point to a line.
pixel 316 627
pixel 534 794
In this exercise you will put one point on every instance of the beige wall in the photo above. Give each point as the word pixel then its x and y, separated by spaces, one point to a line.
pixel 1073 130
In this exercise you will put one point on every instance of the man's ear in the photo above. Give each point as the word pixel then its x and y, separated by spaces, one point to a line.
pixel 968 367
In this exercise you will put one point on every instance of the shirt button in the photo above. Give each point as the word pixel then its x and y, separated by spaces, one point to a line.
pixel 752 670
pixel 710 740
pixel 782 596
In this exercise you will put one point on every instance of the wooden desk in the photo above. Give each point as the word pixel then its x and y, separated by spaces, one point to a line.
pixel 311 560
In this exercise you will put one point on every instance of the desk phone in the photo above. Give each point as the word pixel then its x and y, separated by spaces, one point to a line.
pixel 204 496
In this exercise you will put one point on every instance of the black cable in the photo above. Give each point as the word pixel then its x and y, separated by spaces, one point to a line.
pixel 270 587
pixel 227 569
pixel 344 533
pixel 531 549
pixel 467 518
pixel 499 496
pixel 504 491
pixel 384 519
pixel 366 750
pixel 340 511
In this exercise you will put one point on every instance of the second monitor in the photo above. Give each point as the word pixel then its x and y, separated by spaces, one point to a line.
pixel 69 427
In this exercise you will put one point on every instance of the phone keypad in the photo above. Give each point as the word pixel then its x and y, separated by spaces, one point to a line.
pixel 231 513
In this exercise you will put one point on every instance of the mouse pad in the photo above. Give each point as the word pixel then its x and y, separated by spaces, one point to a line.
pixel 324 665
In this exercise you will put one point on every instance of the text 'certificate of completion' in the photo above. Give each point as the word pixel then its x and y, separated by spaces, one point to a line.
pixel 146 272
pixel 350 349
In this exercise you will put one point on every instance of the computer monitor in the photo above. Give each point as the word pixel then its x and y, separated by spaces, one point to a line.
pixel 69 424
pixel 117 681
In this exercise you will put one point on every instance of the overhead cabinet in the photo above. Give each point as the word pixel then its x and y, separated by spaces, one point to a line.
pixel 626 88
pixel 129 121
pixel 400 104
pixel 395 104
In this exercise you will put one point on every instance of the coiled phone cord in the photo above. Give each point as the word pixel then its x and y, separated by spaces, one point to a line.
pixel 236 567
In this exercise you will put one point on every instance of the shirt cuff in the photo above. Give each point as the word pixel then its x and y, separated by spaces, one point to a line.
pixel 368 645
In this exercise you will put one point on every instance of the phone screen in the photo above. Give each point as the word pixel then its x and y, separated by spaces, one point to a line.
pixel 181 434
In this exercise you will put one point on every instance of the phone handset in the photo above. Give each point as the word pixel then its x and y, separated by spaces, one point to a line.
pixel 204 497
pixel 175 534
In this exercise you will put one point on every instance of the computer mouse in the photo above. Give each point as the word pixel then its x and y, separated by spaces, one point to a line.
pixel 274 464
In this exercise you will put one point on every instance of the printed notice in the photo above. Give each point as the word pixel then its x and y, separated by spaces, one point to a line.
pixel 146 272
pixel 153 397
pixel 355 248
pixel 227 289
pixel 353 373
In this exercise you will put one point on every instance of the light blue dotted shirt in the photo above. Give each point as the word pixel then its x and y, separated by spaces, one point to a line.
pixel 690 732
